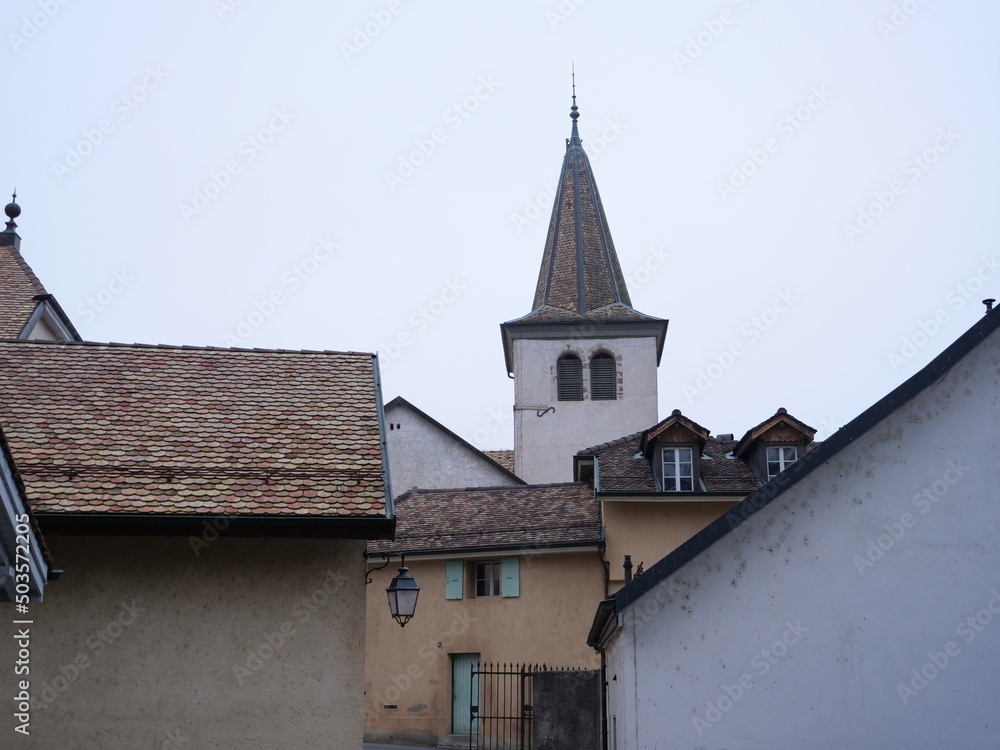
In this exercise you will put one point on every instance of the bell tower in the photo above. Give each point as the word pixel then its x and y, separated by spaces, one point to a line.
pixel 583 360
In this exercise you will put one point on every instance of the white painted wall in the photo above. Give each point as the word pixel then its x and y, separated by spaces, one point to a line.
pixel 421 455
pixel 785 634
pixel 544 446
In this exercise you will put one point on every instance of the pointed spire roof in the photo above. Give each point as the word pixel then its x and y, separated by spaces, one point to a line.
pixel 580 270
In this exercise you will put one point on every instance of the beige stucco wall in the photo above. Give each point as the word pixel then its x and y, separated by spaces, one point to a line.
pixel 547 623
pixel 252 643
pixel 650 530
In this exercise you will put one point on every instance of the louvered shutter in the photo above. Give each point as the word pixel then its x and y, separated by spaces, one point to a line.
pixel 569 376
pixel 602 378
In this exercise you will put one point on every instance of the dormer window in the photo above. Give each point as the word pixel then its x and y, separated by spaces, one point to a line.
pixel 569 378
pixel 779 458
pixel 678 470
pixel 602 378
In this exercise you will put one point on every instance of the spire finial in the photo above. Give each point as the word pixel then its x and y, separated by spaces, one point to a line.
pixel 574 111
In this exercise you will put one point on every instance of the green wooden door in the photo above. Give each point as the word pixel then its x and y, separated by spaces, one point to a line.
pixel 464 693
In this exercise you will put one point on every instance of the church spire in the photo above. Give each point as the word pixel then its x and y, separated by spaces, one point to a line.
pixel 580 270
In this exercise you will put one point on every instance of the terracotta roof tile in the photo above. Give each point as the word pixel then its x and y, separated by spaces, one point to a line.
pixel 505 458
pixel 19 285
pixel 183 430
pixel 494 517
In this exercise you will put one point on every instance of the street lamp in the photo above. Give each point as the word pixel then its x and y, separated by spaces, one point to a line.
pixel 402 591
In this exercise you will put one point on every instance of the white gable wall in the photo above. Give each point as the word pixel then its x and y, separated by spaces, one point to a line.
pixel 422 455
pixel 786 634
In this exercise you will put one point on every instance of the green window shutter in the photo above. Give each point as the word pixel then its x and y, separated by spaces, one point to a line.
pixel 453 580
pixel 511 577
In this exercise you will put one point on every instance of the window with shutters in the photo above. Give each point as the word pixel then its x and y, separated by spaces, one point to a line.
pixel 487 579
pixel 569 378
pixel 603 385
pixel 496 578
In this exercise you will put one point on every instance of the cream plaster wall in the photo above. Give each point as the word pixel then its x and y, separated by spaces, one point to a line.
pixel 252 643
pixel 548 623
pixel 545 446
pixel 650 530
pixel 421 455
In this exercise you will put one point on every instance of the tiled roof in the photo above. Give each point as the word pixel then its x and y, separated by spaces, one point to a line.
pixel 623 468
pixel 504 458
pixel 537 516
pixel 130 429
pixel 19 286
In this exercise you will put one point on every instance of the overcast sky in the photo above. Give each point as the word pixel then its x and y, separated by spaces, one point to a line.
pixel 812 186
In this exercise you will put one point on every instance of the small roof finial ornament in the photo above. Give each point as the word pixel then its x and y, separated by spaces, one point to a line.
pixel 9 236
pixel 13 211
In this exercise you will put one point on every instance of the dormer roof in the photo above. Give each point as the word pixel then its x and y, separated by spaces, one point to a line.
pixel 674 429
pixel 781 427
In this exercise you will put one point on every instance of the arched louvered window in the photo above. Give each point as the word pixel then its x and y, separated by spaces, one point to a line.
pixel 569 377
pixel 602 378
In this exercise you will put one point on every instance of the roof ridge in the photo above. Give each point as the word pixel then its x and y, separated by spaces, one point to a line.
pixel 180 347
pixel 516 487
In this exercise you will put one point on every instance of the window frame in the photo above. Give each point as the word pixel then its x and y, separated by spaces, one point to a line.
pixel 495 580
pixel 677 478
pixel 782 461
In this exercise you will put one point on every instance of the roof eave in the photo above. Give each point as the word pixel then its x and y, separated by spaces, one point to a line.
pixel 164 524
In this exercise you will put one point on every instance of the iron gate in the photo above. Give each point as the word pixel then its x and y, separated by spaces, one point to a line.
pixel 502 707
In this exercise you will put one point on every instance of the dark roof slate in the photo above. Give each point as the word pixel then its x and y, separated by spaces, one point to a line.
pixel 623 468
pixel 485 518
